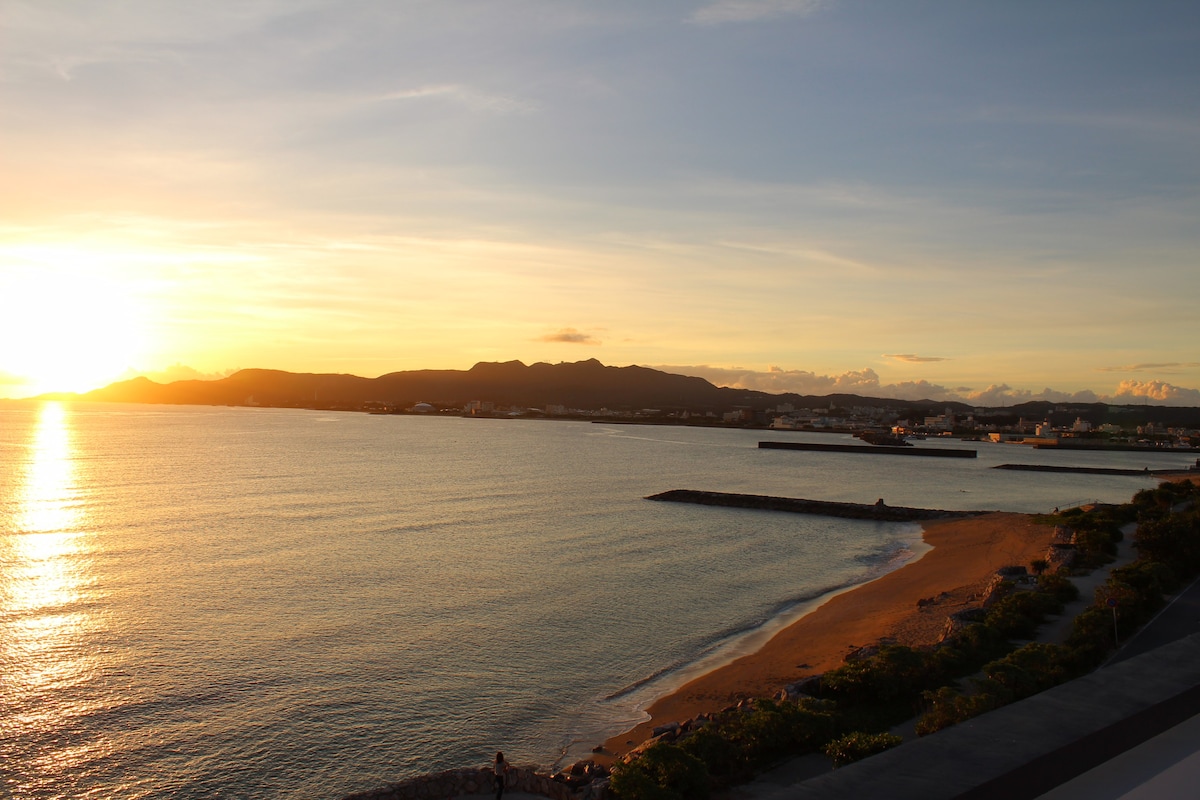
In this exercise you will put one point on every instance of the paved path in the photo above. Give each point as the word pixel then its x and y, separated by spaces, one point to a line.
pixel 1058 629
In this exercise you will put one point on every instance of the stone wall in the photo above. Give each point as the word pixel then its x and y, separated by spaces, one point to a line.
pixel 480 780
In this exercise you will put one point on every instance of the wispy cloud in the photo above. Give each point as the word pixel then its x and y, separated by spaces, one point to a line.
pixel 1137 121
pixel 570 336
pixel 724 11
pixel 913 359
pixel 808 254
pixel 1165 366
pixel 467 96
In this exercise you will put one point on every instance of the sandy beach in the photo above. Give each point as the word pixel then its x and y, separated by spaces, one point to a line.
pixel 966 552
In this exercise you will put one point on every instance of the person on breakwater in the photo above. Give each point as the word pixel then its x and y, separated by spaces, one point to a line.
pixel 501 771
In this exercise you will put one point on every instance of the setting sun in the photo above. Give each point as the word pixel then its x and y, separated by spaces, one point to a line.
pixel 66 328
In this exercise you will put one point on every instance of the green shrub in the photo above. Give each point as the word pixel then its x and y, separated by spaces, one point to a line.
pixel 893 674
pixel 1059 585
pixel 1172 540
pixel 1028 670
pixel 662 772
pixel 948 707
pixel 1091 636
pixel 1019 615
pixel 858 745
pixel 738 743
pixel 964 652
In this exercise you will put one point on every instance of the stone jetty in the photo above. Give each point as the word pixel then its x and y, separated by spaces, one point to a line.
pixel 1081 470
pixel 874 449
pixel 876 511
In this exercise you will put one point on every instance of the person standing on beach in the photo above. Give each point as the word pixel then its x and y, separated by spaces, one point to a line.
pixel 501 770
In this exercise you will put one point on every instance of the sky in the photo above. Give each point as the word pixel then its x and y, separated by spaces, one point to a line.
pixel 991 202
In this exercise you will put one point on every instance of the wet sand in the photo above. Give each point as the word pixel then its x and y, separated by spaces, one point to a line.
pixel 966 552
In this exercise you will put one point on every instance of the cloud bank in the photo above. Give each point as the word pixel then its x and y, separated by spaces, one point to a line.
pixel 867 382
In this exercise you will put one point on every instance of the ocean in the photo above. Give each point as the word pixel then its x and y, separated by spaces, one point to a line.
pixel 267 603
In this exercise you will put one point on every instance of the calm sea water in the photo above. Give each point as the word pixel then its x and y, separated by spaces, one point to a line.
pixel 219 602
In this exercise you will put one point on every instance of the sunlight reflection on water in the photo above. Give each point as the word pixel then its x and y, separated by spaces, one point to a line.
pixel 46 564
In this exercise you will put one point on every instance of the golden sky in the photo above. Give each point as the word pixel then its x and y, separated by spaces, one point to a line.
pixel 980 201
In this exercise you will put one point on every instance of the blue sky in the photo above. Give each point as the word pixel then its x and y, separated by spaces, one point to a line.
pixel 988 201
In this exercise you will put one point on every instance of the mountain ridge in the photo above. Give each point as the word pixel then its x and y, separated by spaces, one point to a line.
pixel 587 384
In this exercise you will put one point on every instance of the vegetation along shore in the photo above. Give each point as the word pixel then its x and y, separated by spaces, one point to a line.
pixel 948 636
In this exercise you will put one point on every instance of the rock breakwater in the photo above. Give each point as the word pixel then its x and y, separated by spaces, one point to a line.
pixel 929 452
pixel 874 511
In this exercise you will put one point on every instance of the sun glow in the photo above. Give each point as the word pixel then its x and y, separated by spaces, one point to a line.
pixel 66 328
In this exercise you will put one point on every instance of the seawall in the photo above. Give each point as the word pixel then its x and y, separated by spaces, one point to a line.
pixel 876 511
pixel 1083 470
pixel 874 449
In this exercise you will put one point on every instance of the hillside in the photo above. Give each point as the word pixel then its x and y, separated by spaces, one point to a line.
pixel 583 385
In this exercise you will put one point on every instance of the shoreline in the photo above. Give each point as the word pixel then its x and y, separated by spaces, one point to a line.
pixel 961 556
pixel 746 642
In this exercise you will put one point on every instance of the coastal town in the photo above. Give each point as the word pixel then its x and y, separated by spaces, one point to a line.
pixel 1063 426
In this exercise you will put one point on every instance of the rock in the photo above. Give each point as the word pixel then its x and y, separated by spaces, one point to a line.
pixel 860 653
pixel 959 620
pixel 810 686
pixel 670 727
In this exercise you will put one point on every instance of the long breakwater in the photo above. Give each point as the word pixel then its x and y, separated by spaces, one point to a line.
pixel 872 450
pixel 875 511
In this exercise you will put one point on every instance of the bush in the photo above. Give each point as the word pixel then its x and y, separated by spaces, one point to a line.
pixel 858 745
pixel 1150 580
pixel 1031 669
pixel 895 673
pixel 662 772
pixel 740 742
pixel 1173 540
pixel 1091 636
pixel 1058 585
pixel 963 653
pixel 1019 615
pixel 949 707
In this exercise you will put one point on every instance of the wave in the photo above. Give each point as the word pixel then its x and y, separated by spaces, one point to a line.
pixel 714 643
pixel 748 636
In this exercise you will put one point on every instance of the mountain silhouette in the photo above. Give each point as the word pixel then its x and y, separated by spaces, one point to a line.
pixel 586 385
